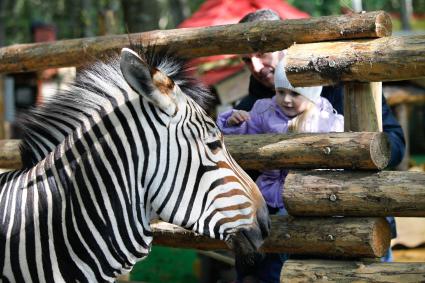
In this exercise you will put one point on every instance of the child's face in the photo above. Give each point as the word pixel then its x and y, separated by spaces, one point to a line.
pixel 291 103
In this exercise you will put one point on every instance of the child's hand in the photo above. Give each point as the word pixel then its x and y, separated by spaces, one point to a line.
pixel 238 117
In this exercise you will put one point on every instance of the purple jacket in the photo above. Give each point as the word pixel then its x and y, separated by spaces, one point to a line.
pixel 267 117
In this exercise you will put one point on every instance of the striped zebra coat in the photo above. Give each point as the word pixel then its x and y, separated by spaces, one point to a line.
pixel 125 144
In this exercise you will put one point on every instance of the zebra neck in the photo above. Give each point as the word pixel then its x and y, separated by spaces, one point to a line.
pixel 97 179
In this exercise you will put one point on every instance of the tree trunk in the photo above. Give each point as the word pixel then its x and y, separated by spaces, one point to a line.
pixel 327 193
pixel 374 60
pixel 349 271
pixel 344 237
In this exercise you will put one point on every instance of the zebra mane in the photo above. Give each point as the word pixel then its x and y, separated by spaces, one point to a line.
pixel 99 87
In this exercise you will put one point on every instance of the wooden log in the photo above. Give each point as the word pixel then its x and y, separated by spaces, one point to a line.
pixel 9 154
pixel 364 151
pixel 384 59
pixel 404 97
pixel 369 151
pixel 363 107
pixel 2 110
pixel 410 95
pixel 196 42
pixel 327 193
pixel 351 271
pixel 335 236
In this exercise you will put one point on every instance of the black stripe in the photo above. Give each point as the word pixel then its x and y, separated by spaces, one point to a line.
pixel 75 241
pixel 186 173
pixel 68 268
pixel 125 162
pixel 158 156
pixel 200 172
pixel 117 206
pixel 85 231
pixel 43 227
pixel 7 177
pixel 29 232
pixel 15 239
pixel 104 228
pixel 135 157
pixel 166 172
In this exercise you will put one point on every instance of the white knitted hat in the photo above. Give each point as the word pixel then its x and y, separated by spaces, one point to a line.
pixel 281 81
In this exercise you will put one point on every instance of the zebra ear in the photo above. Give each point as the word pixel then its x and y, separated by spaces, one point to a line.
pixel 148 81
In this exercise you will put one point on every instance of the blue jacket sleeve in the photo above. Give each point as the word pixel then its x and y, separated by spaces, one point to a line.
pixel 395 134
pixel 391 127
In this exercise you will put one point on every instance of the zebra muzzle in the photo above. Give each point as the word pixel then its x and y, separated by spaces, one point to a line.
pixel 248 239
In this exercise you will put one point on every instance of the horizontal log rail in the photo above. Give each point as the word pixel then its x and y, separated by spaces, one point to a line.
pixel 361 150
pixel 345 237
pixel 327 193
pixel 404 96
pixel 295 271
pixel 383 59
pixel 198 42
pixel 9 154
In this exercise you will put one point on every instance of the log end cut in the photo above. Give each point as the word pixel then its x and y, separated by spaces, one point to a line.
pixel 383 24
pixel 381 237
pixel 380 150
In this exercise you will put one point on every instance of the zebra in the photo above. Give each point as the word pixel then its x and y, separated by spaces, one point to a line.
pixel 130 141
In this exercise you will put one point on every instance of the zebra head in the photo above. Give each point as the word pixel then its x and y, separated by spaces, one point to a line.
pixel 197 184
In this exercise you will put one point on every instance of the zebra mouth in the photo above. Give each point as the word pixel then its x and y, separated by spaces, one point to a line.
pixel 245 241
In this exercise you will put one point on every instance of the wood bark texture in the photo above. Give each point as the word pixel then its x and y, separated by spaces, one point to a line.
pixel 9 154
pixel 335 236
pixel 327 193
pixel 397 95
pixel 363 151
pixel 242 38
pixel 367 151
pixel 363 107
pixel 295 271
pixel 2 110
pixel 373 60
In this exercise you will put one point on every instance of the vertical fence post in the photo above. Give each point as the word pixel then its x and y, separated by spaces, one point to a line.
pixel 2 109
pixel 363 107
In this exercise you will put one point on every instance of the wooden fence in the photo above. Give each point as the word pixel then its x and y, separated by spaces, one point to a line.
pixel 358 49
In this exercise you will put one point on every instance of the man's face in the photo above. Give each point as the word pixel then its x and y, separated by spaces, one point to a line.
pixel 262 66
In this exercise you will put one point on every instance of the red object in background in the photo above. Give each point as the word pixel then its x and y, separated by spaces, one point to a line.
pixel 222 12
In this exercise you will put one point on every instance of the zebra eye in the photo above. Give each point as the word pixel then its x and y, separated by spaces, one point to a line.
pixel 214 146
pixel 214 141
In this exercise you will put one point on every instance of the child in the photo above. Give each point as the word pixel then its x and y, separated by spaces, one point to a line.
pixel 291 109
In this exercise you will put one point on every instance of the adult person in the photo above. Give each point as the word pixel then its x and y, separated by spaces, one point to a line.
pixel 262 67
pixel 261 85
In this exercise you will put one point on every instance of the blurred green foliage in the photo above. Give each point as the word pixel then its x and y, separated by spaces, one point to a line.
pixel 79 18
pixel 334 7
pixel 167 265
